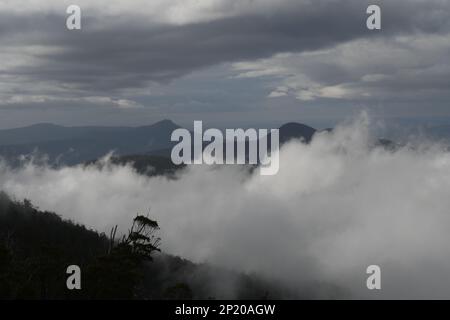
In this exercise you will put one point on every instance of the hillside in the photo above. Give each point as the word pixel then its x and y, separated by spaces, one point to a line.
pixel 37 246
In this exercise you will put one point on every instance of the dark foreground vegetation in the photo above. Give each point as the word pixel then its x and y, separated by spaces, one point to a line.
pixel 36 247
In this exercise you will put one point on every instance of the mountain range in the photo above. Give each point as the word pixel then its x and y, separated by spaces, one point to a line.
pixel 75 145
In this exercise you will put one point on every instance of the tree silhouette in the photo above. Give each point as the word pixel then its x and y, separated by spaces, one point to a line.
pixel 116 275
pixel 141 239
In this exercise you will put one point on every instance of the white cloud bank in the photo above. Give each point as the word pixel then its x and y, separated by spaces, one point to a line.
pixel 335 207
pixel 398 67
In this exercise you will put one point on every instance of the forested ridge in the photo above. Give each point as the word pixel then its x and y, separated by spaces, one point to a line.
pixel 36 247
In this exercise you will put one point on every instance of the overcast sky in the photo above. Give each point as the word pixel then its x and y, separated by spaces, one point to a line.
pixel 226 62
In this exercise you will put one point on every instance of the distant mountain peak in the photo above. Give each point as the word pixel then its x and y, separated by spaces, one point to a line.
pixel 166 123
pixel 295 130
pixel 43 125
pixel 296 125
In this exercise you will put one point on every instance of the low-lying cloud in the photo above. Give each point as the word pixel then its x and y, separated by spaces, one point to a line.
pixel 335 207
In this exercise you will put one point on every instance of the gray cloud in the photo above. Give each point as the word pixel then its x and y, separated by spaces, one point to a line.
pixel 134 53
pixel 402 67
pixel 107 55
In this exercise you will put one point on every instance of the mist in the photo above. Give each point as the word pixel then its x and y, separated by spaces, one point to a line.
pixel 336 206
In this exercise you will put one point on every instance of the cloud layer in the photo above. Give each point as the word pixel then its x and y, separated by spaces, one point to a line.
pixel 132 51
pixel 335 207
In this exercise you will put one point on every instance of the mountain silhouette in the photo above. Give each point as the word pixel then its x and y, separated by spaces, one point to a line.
pixel 148 147
pixel 294 130
pixel 74 145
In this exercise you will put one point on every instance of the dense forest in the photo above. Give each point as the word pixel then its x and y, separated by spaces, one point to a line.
pixel 36 247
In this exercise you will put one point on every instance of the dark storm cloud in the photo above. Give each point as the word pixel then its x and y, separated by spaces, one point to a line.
pixel 130 54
